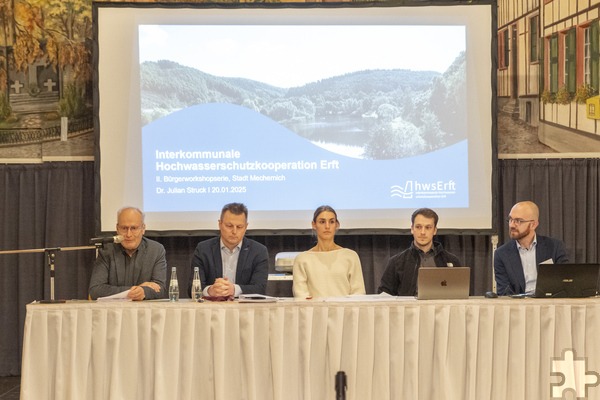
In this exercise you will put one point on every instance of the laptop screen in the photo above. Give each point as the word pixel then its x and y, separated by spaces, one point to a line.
pixel 567 280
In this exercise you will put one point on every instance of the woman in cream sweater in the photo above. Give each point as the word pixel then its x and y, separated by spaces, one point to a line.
pixel 327 269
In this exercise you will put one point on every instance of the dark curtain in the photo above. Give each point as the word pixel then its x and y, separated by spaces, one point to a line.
pixel 43 206
pixel 51 205
pixel 567 193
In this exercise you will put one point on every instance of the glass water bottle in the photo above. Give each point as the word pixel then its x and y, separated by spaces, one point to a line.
pixel 196 286
pixel 174 286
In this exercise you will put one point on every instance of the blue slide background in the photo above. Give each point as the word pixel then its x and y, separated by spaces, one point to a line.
pixel 354 183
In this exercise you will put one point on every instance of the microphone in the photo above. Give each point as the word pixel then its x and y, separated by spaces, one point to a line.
pixel 340 385
pixel 108 239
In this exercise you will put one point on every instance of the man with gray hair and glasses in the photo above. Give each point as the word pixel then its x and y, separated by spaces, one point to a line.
pixel 133 263
pixel 515 262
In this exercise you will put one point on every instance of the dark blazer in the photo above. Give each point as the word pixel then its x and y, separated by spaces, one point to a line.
pixel 252 267
pixel 508 268
pixel 109 275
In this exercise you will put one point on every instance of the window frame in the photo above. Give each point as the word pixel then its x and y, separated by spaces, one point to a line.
pixel 534 39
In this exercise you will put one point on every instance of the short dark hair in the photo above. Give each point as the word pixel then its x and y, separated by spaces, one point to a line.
pixel 235 209
pixel 320 209
pixel 427 213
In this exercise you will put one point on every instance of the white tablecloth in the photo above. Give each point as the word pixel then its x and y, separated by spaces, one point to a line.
pixel 462 349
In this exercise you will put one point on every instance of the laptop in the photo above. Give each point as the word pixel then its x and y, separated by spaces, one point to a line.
pixel 441 283
pixel 567 280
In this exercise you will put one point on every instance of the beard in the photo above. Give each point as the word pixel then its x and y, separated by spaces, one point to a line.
pixel 516 235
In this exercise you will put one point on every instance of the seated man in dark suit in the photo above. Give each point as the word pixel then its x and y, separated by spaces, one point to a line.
pixel 231 264
pixel 135 263
pixel 515 262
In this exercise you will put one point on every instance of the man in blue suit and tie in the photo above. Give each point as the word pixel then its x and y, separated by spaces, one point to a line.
pixel 515 262
pixel 231 264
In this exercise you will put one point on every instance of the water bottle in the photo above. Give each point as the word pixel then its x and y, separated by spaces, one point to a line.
pixel 174 286
pixel 196 286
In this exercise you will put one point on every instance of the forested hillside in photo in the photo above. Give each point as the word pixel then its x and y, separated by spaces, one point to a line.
pixel 376 114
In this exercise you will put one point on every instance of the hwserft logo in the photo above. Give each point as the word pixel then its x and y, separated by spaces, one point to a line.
pixel 423 190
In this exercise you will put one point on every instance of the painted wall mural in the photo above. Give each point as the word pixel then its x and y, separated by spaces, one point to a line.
pixel 548 76
pixel 45 79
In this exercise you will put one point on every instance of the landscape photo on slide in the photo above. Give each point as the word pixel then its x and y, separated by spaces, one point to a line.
pixel 305 106
pixel 370 105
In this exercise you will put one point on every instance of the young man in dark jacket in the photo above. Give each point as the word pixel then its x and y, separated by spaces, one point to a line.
pixel 400 276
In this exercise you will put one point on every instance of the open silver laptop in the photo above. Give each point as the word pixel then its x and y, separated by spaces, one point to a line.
pixel 440 283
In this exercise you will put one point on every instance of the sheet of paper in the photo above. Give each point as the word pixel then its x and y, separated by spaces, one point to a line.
pixel 368 297
pixel 116 297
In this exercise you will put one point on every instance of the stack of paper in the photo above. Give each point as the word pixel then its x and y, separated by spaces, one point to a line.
pixel 256 298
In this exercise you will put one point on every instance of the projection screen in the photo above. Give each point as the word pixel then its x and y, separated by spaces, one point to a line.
pixel 375 111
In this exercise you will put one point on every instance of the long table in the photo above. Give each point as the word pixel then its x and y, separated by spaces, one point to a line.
pixel 389 349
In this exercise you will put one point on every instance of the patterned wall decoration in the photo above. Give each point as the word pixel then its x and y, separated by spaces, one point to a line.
pixel 548 78
pixel 45 80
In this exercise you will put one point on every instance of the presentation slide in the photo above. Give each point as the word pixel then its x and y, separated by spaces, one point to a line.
pixel 374 111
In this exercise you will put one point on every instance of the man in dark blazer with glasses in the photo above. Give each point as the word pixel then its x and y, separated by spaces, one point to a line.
pixel 132 264
pixel 515 262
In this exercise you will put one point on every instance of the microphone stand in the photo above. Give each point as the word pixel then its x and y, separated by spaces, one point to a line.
pixel 340 385
pixel 51 256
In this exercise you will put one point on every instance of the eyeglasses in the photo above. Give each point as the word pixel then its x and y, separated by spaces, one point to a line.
pixel 518 221
pixel 133 229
